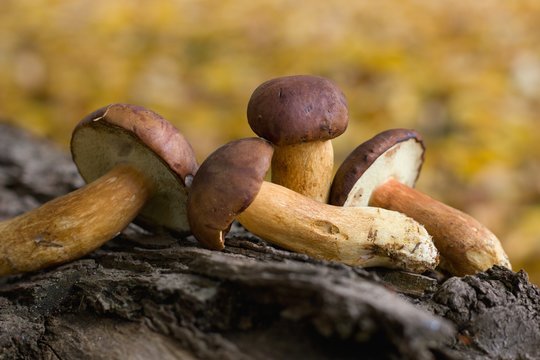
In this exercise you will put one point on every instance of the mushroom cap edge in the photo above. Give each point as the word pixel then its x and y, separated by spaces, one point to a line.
pixel 225 185
pixel 397 153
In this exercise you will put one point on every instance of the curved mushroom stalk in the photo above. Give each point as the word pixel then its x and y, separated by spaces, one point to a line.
pixel 316 159
pixel 73 225
pixel 469 247
pixel 355 236
pixel 230 184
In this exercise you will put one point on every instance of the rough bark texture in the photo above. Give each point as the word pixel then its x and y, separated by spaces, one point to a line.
pixel 157 296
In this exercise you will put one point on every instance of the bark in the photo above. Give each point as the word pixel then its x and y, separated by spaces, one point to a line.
pixel 161 296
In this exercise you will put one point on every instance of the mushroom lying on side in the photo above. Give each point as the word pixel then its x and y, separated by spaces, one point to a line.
pixel 382 172
pixel 136 162
pixel 229 184
pixel 299 115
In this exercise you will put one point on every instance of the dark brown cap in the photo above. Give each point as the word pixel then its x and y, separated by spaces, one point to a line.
pixel 295 109
pixel 395 153
pixel 129 134
pixel 225 185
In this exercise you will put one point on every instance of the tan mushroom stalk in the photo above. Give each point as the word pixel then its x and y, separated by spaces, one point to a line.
pixel 71 226
pixel 382 172
pixel 229 185
pixel 137 164
pixel 300 115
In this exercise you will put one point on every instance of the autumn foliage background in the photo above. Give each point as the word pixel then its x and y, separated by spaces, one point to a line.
pixel 465 74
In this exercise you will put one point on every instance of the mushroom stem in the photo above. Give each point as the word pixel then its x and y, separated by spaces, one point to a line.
pixel 305 168
pixel 355 236
pixel 466 246
pixel 70 226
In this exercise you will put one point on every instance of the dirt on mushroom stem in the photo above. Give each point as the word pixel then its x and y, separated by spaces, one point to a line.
pixel 354 236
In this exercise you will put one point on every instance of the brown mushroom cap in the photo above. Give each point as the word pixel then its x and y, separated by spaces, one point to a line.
pixel 225 185
pixel 295 109
pixel 129 134
pixel 395 153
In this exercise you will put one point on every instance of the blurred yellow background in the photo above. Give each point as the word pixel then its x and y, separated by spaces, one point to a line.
pixel 465 74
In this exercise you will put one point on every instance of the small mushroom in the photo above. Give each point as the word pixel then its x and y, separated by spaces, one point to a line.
pixel 230 185
pixel 383 171
pixel 300 114
pixel 135 163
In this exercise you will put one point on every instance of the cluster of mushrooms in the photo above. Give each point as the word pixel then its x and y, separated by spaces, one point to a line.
pixel 140 168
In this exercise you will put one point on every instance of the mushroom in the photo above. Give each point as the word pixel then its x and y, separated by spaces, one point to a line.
pixel 230 184
pixel 299 115
pixel 135 163
pixel 383 171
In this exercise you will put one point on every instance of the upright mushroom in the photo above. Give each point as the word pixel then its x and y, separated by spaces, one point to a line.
pixel 300 115
pixel 382 172
pixel 136 163
pixel 229 185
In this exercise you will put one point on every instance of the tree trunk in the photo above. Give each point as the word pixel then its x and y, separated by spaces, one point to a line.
pixel 159 296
